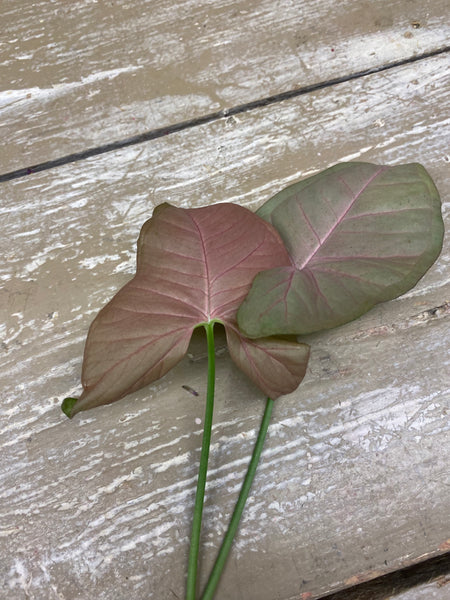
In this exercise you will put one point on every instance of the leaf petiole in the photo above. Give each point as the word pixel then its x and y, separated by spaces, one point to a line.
pixel 240 504
pixel 201 483
pixel 222 556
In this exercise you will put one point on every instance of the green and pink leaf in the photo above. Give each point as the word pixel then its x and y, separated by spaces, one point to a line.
pixel 357 234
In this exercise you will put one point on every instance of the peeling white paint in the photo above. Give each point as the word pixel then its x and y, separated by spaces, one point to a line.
pixel 9 98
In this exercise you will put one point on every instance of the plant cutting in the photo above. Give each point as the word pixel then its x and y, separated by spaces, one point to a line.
pixel 317 255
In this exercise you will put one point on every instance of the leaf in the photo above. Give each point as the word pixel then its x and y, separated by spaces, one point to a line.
pixel 357 234
pixel 193 266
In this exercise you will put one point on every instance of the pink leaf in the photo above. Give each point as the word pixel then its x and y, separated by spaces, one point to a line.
pixel 193 266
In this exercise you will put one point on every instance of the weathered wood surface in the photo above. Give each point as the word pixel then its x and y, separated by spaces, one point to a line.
pixel 354 478
pixel 427 580
pixel 436 590
pixel 83 73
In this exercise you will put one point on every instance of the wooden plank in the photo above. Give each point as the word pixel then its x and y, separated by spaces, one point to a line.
pixel 354 476
pixel 429 579
pixel 87 73
pixel 437 590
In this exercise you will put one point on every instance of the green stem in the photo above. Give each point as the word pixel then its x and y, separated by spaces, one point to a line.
pixel 234 523
pixel 201 483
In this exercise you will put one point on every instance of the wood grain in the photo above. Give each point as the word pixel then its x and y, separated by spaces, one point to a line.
pixel 354 476
pixel 427 580
pixel 84 73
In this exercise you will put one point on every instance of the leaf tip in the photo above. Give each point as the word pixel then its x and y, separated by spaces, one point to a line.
pixel 67 406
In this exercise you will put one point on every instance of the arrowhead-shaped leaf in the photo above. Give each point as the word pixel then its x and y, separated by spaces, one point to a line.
pixel 357 234
pixel 193 266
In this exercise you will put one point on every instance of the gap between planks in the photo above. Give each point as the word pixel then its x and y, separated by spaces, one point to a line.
pixel 215 116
